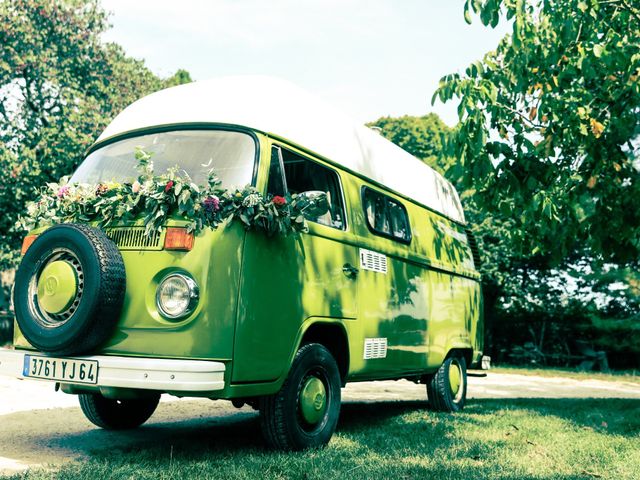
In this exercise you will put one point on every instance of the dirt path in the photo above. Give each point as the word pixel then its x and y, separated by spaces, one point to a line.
pixel 40 427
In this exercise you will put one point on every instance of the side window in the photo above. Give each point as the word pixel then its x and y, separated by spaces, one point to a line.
pixel 386 216
pixel 302 175
pixel 276 185
pixel 376 209
pixel 399 220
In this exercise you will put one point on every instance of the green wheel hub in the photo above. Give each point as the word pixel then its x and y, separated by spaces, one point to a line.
pixel 313 400
pixel 455 379
pixel 57 287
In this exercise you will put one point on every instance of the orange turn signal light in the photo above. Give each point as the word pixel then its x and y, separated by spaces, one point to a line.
pixel 178 239
pixel 26 243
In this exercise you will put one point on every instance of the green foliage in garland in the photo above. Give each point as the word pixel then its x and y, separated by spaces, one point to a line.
pixel 157 198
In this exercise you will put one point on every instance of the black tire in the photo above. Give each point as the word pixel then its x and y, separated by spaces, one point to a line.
pixel 281 417
pixel 117 414
pixel 100 286
pixel 439 389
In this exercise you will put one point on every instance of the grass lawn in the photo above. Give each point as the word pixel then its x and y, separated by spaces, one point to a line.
pixel 497 439
pixel 617 376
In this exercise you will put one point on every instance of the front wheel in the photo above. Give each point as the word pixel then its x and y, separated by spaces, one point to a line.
pixel 117 414
pixel 447 388
pixel 304 413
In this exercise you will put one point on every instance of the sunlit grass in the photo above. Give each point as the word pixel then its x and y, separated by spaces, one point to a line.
pixel 523 439
pixel 614 375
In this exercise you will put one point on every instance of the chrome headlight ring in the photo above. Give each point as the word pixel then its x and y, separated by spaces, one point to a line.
pixel 177 296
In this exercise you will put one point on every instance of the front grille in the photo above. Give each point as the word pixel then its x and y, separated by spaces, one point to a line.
pixel 133 238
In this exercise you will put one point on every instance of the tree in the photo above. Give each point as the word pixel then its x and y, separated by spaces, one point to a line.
pixel 549 125
pixel 179 78
pixel 59 87
pixel 420 136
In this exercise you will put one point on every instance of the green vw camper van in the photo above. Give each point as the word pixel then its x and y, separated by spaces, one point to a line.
pixel 383 284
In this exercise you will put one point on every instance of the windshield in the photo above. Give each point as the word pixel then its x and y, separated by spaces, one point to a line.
pixel 231 155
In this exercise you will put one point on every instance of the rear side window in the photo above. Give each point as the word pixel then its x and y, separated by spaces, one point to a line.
pixel 386 216
pixel 303 175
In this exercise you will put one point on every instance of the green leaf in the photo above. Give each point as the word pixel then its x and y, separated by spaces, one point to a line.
pixel 467 16
pixel 598 49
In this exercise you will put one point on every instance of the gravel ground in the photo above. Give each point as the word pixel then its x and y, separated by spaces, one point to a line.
pixel 41 427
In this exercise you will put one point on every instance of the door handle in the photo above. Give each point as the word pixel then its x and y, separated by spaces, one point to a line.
pixel 349 270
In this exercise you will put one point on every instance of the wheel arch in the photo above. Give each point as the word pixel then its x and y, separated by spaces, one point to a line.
pixel 332 335
pixel 464 350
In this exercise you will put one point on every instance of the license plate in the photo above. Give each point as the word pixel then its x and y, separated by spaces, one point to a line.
pixel 61 369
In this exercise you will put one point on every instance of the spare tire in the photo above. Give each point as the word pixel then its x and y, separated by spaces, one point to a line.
pixel 69 289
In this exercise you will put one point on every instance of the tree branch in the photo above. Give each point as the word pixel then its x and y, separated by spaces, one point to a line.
pixel 3 110
pixel 31 103
pixel 520 114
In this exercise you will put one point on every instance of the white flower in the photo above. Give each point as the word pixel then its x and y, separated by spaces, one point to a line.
pixel 251 200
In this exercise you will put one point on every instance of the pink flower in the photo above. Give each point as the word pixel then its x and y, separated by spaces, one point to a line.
pixel 62 191
pixel 169 186
pixel 135 188
pixel 212 204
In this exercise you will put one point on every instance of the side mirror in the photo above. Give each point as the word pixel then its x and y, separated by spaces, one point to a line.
pixel 316 203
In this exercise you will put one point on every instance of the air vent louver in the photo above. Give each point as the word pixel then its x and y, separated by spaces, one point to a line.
pixel 375 348
pixel 133 238
pixel 374 261
pixel 475 251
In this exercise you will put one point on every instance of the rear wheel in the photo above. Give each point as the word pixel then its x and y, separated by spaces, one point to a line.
pixel 117 414
pixel 447 388
pixel 304 413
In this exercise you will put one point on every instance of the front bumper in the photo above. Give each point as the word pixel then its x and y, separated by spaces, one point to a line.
pixel 166 375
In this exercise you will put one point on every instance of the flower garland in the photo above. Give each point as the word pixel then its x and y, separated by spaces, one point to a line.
pixel 156 198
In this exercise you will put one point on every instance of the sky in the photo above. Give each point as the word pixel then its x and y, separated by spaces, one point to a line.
pixel 371 58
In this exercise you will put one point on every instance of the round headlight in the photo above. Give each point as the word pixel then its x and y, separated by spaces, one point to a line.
pixel 177 296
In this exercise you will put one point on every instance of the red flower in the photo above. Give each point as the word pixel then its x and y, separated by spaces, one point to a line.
pixel 279 201
pixel 169 186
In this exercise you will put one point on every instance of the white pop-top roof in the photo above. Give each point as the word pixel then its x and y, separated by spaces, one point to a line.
pixel 277 107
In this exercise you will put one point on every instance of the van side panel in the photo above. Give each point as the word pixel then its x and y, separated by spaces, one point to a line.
pixel 426 304
pixel 456 317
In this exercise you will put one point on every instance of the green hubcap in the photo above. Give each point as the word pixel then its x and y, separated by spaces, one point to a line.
pixel 455 378
pixel 313 400
pixel 57 287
